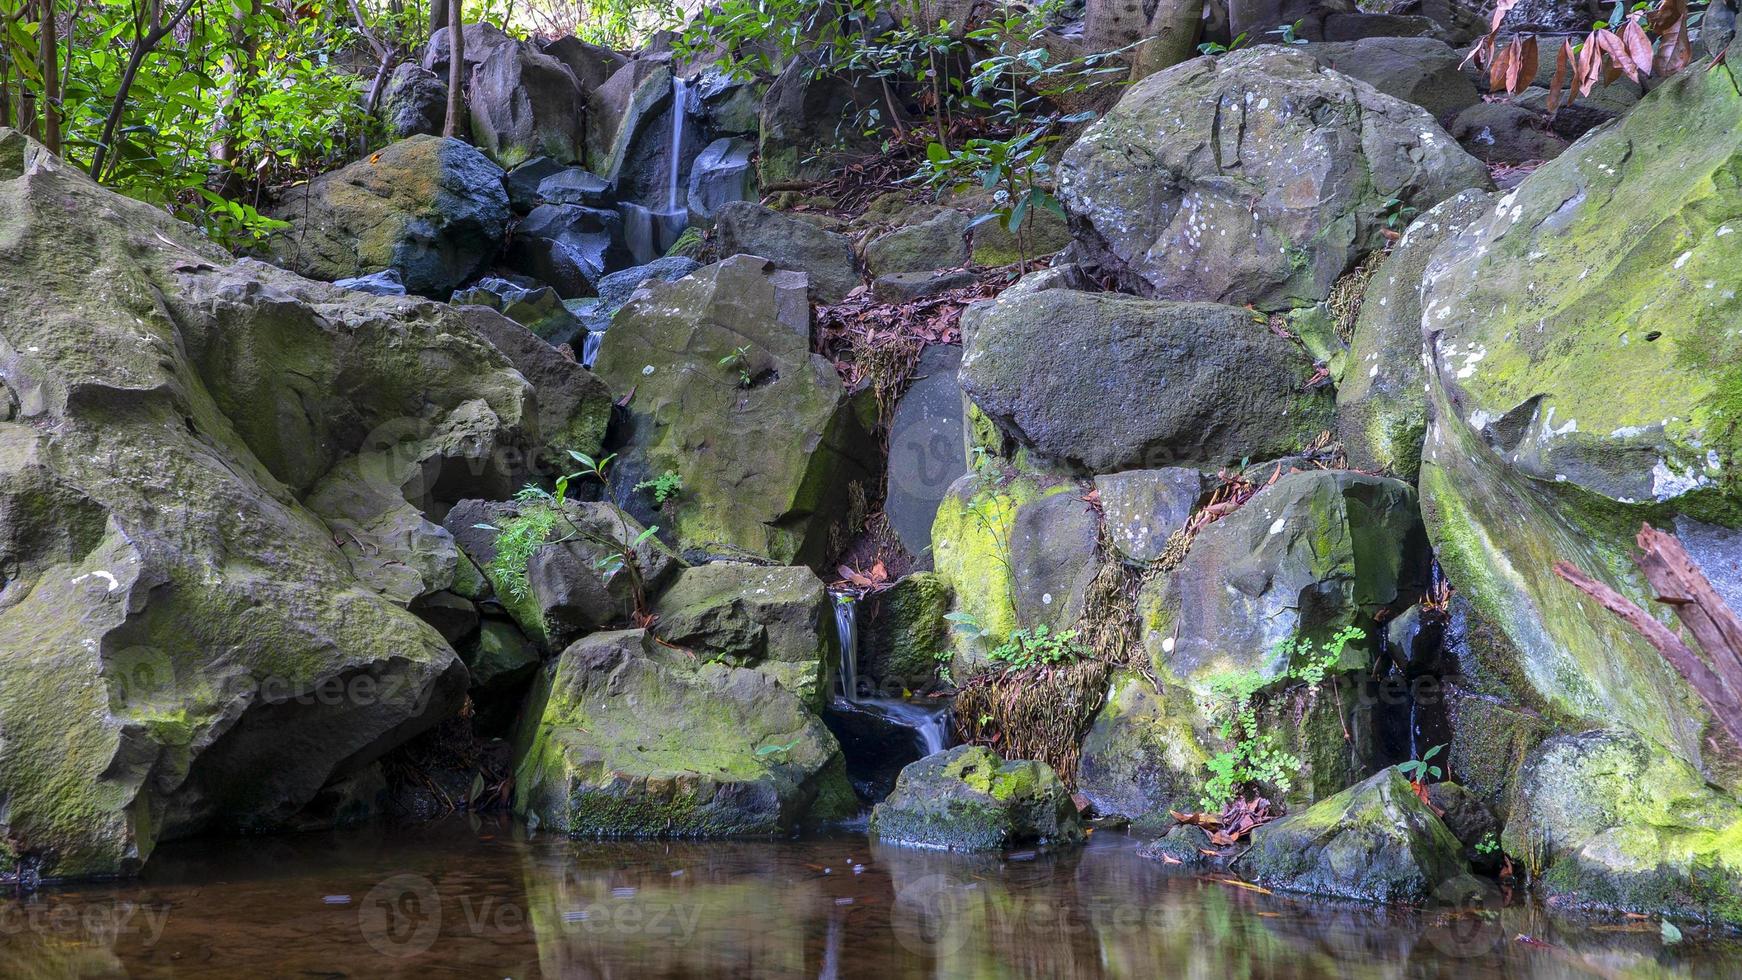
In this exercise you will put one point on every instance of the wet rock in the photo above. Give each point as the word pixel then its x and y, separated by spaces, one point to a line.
pixel 619 110
pixel 967 799
pixel 1382 396
pixel 776 619
pixel 767 445
pixel 876 745
pixel 522 182
pixel 1470 821
pixel 1375 842
pixel 744 228
pixel 172 607
pixel 383 283
pixel 1152 383
pixel 573 185
pixel 939 242
pixel 1143 508
pixel 602 758
pixel 616 288
pixel 1420 70
pixel 729 106
pixel 1312 554
pixel 902 631
pixel 925 447
pixel 540 310
pixel 1153 203
pixel 720 175
pixel 1143 756
pixel 1496 132
pixel 432 209
pixel 971 554
pixel 1183 845
pixel 568 246
pixel 414 103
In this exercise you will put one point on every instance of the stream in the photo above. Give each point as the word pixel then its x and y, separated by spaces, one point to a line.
pixel 464 898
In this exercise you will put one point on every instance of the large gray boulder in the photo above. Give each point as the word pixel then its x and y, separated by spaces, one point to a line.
pixel 591 64
pixel 967 799
pixel 601 755
pixel 728 395
pixel 192 646
pixel 1254 177
pixel 776 619
pixel 414 103
pixel 433 209
pixel 925 446
pixel 525 104
pixel 1150 383
pixel 1419 70
pixel 747 228
pixel 568 246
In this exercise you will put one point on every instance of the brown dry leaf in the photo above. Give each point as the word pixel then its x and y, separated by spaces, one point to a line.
pixel 1500 70
pixel 1524 71
pixel 1501 9
pixel 1617 56
pixel 1237 883
pixel 1563 64
pixel 1638 45
pixel 1170 859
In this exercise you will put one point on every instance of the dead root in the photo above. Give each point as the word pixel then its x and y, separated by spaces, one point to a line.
pixel 1040 713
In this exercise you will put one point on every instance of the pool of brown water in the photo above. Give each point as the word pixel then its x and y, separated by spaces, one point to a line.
pixel 483 899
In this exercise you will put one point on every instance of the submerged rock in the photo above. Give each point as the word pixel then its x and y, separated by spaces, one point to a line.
pixel 728 396
pixel 605 755
pixel 1375 842
pixel 967 799
pixel 432 209
pixel 1149 383
pixel 779 620
pixel 1254 177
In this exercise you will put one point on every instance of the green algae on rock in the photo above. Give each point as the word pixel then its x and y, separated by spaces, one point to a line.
pixel 967 799
pixel 776 619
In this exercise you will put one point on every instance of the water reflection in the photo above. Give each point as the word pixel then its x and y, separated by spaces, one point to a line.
pixel 462 899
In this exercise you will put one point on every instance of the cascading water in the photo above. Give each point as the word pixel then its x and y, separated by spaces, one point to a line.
pixel 674 161
pixel 590 347
pixel 930 723
pixel 651 228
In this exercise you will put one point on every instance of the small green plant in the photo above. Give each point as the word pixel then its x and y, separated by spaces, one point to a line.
pixel 663 487
pixel 966 625
pixel 1290 33
pixel 516 542
pixel 1039 647
pixel 780 750
pixel 1397 214
pixel 1488 845
pixel 739 360
pixel 1216 47
pixel 1418 770
pixel 945 658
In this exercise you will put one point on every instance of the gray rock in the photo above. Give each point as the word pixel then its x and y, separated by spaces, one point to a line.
pixel 1374 842
pixel 574 185
pixel 574 406
pixel 967 799
pixel 616 288
pixel 523 181
pixel 939 242
pixel 1149 383
pixel 1143 508
pixel 744 228
pixel 1142 757
pixel 925 447
pixel 905 287
pixel 482 41
pixel 1054 556
pixel 568 246
pixel 432 209
pixel 539 309
pixel 619 111
pixel 1496 132
pixel 1421 70
pixel 524 104
pixel 720 175
pixel 383 283
pixel 807 116
pixel 1268 203
pixel 590 64
pixel 415 102
pixel 776 619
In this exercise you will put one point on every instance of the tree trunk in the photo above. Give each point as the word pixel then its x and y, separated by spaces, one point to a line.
pixel 438 16
pixel 49 52
pixel 239 73
pixel 456 121
pixel 1173 37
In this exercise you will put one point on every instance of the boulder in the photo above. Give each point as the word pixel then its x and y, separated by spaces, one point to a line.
pixel 906 287
pixel 1176 195
pixel 1375 842
pixel 616 288
pixel 1054 558
pixel 721 173
pixel 806 115
pixel 939 242
pixel 481 41
pixel 1583 365
pixel 729 105
pixel 779 620
pixel 1151 383
pixel 189 647
pixel 902 631
pixel 745 228
pixel 574 406
pixel 1143 508
pixel 432 209
pixel 925 447
pixel 590 64
pixel 539 310
pixel 1143 757
pixel 523 182
pixel 619 110
pixel 1497 132
pixel 967 799
pixel 1312 554
pixel 1419 70
pixel 414 103
pixel 383 283
pixel 727 394
pixel 1382 396
pixel 568 246
pixel 573 185
pixel 600 756
pixel 545 563
pixel 501 662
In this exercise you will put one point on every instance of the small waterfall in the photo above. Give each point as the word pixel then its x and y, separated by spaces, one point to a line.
pixel 674 159
pixel 590 347
pixel 847 629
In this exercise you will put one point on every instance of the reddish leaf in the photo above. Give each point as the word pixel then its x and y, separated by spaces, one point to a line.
pixel 1482 53
pixel 1563 64
pixel 1670 22
pixel 1501 9
pixel 1619 58
pixel 1638 46
pixel 1500 69
pixel 1524 72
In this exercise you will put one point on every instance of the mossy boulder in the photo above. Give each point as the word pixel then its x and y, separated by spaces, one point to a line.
pixel 748 228
pixel 1584 373
pixel 1376 842
pixel 1254 177
pixel 938 242
pixel 776 619
pixel 971 554
pixel 414 102
pixel 626 738
pixel 433 209
pixel 524 104
pixel 767 444
pixel 902 632
pixel 967 799
pixel 1144 755
pixel 1316 552
pixel 1149 383
pixel 190 647
pixel 1382 396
